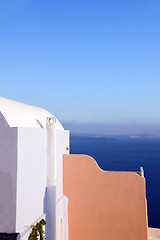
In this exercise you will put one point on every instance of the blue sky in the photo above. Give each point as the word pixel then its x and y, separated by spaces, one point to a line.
pixel 85 61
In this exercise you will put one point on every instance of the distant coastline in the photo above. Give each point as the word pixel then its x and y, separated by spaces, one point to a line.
pixel 74 137
pixel 80 136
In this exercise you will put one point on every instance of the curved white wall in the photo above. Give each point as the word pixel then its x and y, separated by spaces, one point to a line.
pixel 23 115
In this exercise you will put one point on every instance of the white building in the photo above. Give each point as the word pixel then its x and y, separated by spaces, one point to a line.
pixel 32 143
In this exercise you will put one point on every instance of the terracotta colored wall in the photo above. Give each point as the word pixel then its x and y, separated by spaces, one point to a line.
pixel 103 205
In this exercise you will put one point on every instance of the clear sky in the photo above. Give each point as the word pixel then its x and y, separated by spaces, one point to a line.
pixel 86 61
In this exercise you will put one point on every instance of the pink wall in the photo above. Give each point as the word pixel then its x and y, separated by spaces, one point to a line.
pixel 103 205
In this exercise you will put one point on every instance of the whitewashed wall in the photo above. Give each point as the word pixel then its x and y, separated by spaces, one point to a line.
pixel 31 175
pixel 62 143
pixel 62 218
pixel 23 159
pixel 31 183
pixel 8 176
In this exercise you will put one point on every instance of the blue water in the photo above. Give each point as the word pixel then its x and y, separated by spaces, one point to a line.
pixel 128 155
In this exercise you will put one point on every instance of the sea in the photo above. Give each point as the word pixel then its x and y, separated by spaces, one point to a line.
pixel 127 154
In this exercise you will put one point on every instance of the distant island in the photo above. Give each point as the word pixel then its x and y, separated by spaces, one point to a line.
pixel 80 136
pixel 143 136
pixel 96 137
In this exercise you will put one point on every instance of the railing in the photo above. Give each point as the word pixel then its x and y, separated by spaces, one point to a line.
pixel 141 172
pixel 28 228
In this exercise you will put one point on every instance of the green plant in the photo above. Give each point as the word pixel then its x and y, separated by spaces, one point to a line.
pixel 37 231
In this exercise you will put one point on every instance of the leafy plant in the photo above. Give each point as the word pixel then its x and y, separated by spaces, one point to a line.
pixel 37 231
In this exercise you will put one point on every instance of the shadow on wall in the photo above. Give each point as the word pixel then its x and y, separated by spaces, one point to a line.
pixel 50 210
pixel 7 201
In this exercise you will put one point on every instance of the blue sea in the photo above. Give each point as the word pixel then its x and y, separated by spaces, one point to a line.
pixel 128 155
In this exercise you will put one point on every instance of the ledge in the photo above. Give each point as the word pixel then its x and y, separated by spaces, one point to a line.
pixel 154 234
pixel 8 236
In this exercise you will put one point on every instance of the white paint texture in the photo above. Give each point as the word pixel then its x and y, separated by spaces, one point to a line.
pixel 62 138
pixel 8 176
pixel 51 179
pixel 51 213
pixel 51 152
pixel 62 213
pixel 23 115
pixel 62 142
pixel 57 145
pixel 31 175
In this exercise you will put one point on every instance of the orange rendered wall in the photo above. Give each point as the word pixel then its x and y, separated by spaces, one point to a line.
pixel 103 205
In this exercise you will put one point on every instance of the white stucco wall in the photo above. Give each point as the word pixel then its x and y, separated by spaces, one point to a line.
pixel 62 143
pixel 62 147
pixel 23 160
pixel 31 175
pixel 57 203
pixel 8 176
pixel 62 218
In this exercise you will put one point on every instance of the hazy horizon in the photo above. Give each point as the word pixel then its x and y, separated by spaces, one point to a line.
pixel 112 128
